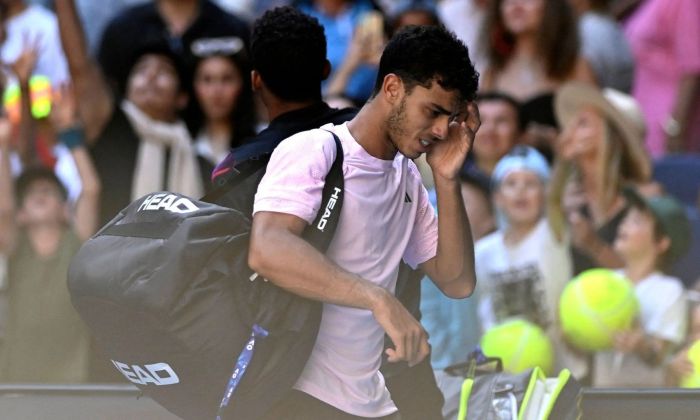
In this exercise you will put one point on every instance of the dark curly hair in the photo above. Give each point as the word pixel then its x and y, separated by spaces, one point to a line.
pixel 420 55
pixel 288 49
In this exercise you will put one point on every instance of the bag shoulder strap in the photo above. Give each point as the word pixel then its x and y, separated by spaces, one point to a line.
pixel 321 231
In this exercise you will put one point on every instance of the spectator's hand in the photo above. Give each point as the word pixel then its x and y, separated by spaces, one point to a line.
pixel 26 61
pixel 446 156
pixel 407 334
pixel 630 341
pixel 64 113
pixel 367 41
pixel 680 366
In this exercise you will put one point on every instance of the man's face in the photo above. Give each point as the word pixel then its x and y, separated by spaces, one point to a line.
pixel 421 118
pixel 498 131
pixel 154 87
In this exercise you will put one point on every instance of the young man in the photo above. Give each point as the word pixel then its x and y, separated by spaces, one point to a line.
pixel 421 104
pixel 288 56
pixel 653 234
pixel 288 53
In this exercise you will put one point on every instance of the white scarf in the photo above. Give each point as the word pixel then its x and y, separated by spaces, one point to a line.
pixel 183 172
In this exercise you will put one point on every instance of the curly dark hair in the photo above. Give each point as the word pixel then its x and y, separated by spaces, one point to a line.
pixel 421 54
pixel 288 49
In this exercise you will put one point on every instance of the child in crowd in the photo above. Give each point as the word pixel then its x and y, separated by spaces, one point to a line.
pixel 521 268
pixel 45 340
pixel 652 235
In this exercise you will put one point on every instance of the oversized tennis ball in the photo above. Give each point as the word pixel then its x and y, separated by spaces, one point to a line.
pixel 693 380
pixel 520 344
pixel 596 305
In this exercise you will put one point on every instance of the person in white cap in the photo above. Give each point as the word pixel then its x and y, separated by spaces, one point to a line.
pixel 522 268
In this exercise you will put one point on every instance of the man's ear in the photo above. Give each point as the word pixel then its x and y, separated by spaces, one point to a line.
pixel 326 70
pixel 392 88
pixel 256 81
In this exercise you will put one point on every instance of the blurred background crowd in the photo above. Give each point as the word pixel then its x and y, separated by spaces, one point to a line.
pixel 588 156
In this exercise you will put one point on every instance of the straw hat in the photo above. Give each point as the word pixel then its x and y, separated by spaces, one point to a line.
pixel 620 110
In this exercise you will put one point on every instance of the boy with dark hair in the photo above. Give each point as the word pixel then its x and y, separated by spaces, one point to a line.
pixel 653 234
pixel 422 104
pixel 45 341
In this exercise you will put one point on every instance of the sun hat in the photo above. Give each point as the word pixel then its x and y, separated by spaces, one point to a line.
pixel 621 110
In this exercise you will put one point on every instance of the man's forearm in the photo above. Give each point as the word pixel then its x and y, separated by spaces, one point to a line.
pixel 454 263
pixel 294 265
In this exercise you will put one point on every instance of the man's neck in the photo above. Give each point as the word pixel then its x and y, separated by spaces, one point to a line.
pixel 275 107
pixel 368 128
pixel 178 14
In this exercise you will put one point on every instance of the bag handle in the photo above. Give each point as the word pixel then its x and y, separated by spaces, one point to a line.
pixel 475 360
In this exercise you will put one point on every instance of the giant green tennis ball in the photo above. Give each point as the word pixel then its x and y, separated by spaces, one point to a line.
pixel 693 380
pixel 596 305
pixel 520 345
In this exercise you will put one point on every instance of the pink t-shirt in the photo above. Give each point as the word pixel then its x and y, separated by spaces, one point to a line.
pixel 665 40
pixel 386 217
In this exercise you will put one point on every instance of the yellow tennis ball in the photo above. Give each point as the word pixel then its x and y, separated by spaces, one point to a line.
pixel 693 380
pixel 40 88
pixel 11 103
pixel 40 92
pixel 520 344
pixel 596 305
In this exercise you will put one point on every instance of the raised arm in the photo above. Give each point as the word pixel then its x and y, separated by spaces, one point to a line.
pixel 94 99
pixel 7 192
pixel 22 69
pixel 452 269
pixel 67 125
pixel 278 253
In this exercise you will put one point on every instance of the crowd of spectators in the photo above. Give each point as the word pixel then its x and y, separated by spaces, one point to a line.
pixel 580 102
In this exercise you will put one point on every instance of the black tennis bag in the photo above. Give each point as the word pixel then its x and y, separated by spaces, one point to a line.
pixel 166 291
